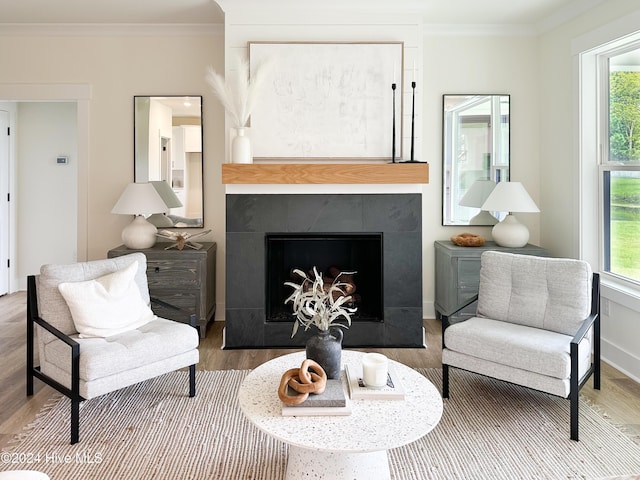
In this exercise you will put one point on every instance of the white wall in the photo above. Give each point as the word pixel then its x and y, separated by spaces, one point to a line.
pixel 118 63
pixel 561 173
pixel 46 196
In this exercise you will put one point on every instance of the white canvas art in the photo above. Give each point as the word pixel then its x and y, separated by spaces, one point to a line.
pixel 327 100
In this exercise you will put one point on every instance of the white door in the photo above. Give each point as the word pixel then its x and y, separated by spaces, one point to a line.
pixel 4 202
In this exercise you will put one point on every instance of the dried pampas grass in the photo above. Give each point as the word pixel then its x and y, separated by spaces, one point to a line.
pixel 239 94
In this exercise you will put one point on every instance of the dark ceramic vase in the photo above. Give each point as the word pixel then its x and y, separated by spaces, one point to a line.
pixel 325 348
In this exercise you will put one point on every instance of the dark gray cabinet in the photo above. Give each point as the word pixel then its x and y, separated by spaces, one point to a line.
pixel 184 278
pixel 458 272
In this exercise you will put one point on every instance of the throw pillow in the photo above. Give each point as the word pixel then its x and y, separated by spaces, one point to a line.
pixel 107 305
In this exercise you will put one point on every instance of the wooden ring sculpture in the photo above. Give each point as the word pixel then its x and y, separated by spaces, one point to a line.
pixel 303 382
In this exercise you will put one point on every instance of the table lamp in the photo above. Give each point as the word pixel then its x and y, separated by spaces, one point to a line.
pixel 510 197
pixel 139 199
pixel 169 198
pixel 475 197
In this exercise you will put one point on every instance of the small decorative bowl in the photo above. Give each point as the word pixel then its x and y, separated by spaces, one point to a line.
pixel 468 240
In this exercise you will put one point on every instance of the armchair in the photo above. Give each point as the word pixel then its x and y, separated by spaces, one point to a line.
pixel 537 325
pixel 93 361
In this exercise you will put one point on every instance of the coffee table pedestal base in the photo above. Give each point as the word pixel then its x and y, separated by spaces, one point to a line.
pixel 305 463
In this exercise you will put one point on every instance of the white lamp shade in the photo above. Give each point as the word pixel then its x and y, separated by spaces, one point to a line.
pixel 139 199
pixel 167 194
pixel 478 193
pixel 510 197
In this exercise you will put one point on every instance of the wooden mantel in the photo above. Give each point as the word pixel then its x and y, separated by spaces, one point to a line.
pixel 325 173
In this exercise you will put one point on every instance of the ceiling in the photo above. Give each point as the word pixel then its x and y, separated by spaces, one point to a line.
pixel 493 12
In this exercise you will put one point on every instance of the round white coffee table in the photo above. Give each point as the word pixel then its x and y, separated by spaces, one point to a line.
pixel 353 446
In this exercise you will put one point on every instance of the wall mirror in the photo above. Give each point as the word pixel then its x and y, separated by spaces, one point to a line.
pixel 168 149
pixel 475 155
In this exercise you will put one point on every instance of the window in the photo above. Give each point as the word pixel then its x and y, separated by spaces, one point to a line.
pixel 620 161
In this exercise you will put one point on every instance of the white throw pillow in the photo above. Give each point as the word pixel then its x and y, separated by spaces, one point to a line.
pixel 107 305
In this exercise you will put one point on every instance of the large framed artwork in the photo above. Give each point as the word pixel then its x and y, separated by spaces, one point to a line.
pixel 324 101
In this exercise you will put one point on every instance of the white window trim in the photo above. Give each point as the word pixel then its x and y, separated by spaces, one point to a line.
pixel 588 50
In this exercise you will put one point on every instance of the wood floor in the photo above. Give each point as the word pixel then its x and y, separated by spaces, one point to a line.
pixel 619 396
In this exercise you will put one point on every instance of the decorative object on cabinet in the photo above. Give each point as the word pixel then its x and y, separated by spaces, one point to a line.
pixel 169 198
pixel 475 197
pixel 182 239
pixel 83 368
pixel 475 146
pixel 168 147
pixel 457 274
pixel 139 199
pixel 327 100
pixel 468 240
pixel 510 197
pixel 186 279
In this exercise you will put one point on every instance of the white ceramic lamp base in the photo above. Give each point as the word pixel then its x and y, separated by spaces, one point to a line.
pixel 510 233
pixel 139 234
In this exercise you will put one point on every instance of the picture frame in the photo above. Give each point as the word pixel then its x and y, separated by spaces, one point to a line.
pixel 328 101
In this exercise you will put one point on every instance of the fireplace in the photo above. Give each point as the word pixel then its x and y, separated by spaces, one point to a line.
pixel 385 226
pixel 360 253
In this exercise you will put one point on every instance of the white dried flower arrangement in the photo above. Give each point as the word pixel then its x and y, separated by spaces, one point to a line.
pixel 316 304
pixel 239 94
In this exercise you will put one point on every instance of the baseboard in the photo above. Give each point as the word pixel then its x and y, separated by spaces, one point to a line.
pixel 620 359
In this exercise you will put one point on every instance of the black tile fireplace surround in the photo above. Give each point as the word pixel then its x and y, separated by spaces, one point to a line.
pixel 250 217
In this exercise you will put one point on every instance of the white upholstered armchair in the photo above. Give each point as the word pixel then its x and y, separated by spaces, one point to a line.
pixel 96 333
pixel 537 325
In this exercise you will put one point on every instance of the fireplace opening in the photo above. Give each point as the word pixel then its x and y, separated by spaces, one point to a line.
pixel 351 252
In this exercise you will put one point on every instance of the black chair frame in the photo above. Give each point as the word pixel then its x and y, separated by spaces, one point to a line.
pixel 33 318
pixel 593 320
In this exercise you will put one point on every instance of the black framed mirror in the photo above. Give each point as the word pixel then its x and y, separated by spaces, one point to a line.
pixel 168 151
pixel 475 155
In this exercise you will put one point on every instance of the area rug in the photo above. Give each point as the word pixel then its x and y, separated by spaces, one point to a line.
pixel 153 430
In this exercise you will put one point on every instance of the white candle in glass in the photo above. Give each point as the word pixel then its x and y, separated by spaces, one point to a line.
pixel 375 368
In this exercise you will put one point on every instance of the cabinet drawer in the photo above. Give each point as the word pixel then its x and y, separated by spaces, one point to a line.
pixel 181 274
pixel 185 300
pixel 469 273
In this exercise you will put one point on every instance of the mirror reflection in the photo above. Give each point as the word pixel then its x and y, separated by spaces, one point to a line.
pixel 168 152
pixel 475 152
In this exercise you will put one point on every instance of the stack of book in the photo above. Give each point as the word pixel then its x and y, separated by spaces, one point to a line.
pixel 333 401
pixel 393 390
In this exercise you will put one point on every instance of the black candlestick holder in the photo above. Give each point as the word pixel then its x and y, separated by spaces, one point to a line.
pixel 413 110
pixel 393 136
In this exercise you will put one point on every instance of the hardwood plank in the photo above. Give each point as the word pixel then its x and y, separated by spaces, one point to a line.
pixel 315 173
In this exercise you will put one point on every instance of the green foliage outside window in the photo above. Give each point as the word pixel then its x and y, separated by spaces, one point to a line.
pixel 624 146
pixel 624 116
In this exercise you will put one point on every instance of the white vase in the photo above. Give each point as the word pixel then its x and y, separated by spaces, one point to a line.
pixel 241 147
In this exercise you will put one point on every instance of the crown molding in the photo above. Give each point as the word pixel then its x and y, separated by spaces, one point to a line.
pixel 478 30
pixel 110 29
pixel 566 14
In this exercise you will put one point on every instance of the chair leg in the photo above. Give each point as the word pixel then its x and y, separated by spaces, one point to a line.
pixel 192 380
pixel 75 420
pixel 574 396
pixel 445 381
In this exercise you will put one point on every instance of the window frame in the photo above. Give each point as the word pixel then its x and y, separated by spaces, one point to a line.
pixel 605 166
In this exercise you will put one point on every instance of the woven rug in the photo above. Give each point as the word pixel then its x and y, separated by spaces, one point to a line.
pixel 153 430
